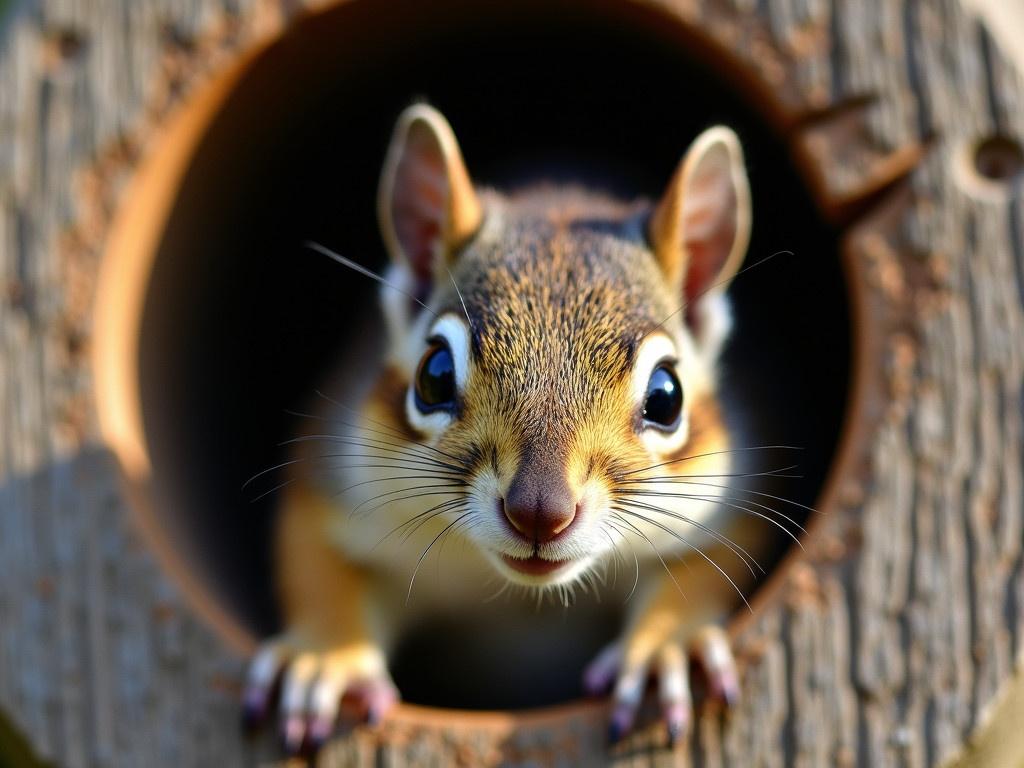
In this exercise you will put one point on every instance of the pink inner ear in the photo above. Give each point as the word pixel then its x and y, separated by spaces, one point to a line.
pixel 709 222
pixel 419 200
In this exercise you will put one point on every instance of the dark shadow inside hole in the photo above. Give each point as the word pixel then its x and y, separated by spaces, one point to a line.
pixel 242 321
pixel 999 158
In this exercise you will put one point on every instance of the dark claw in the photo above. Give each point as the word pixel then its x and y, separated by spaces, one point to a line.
pixel 677 721
pixel 379 700
pixel 615 733
pixel 727 688
pixel 731 696
pixel 316 741
pixel 675 731
pixel 293 736
pixel 320 731
pixel 254 714
pixel 621 721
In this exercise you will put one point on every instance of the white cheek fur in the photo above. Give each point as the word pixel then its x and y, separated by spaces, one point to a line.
pixel 456 335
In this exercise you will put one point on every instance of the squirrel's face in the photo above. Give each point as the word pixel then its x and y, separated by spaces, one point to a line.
pixel 553 368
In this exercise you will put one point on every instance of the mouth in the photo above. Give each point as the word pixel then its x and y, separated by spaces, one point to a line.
pixel 535 566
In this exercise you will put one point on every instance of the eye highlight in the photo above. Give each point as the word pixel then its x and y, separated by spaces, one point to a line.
pixel 663 403
pixel 435 379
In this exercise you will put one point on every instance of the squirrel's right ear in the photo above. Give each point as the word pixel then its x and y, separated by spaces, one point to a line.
pixel 426 202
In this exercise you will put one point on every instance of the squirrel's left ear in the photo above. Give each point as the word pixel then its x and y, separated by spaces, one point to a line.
pixel 426 203
pixel 701 228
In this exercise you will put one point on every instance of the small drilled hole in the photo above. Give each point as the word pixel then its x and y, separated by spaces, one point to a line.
pixel 999 158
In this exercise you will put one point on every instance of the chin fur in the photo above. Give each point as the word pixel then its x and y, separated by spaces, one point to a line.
pixel 560 588
pixel 572 573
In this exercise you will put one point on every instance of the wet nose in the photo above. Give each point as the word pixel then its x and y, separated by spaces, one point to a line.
pixel 540 506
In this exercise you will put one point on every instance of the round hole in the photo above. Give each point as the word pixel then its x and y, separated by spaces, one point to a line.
pixel 214 320
pixel 989 168
pixel 999 158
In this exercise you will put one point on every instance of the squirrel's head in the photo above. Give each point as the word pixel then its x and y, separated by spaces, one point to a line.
pixel 565 367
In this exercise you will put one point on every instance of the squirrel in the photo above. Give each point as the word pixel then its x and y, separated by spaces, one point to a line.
pixel 547 398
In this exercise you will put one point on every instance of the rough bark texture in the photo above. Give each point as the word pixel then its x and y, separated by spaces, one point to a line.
pixel 868 657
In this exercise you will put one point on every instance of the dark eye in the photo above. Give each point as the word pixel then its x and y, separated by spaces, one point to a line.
pixel 664 400
pixel 435 380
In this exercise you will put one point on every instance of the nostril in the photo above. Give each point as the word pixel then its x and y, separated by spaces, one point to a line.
pixel 560 522
pixel 518 521
pixel 540 521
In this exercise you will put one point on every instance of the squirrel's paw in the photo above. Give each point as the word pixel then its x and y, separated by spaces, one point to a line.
pixel 629 663
pixel 312 684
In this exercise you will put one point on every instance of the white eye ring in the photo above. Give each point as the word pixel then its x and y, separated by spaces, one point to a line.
pixel 655 350
pixel 454 333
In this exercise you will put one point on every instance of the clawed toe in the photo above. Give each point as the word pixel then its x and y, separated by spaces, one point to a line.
pixel 669 664
pixel 711 650
pixel 311 687
pixel 599 675
pixel 261 686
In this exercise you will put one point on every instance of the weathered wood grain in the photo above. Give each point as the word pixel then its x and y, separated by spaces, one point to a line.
pixel 100 663
pixel 888 644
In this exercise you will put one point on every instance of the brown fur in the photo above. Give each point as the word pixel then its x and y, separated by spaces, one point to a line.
pixel 558 305
pixel 560 289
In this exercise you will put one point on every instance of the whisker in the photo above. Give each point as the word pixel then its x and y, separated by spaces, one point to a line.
pixel 717 284
pixel 392 431
pixel 396 464
pixel 275 489
pixel 726 500
pixel 408 498
pixel 715 453
pixel 501 590
pixel 462 502
pixel 452 483
pixel 462 300
pixel 420 475
pixel 363 271
pixel 259 474
pixel 304 415
pixel 405 444
pixel 636 560
pixel 440 549
pixel 447 484
pixel 451 480
pixel 413 448
pixel 343 440
pixel 654 549
pixel 410 521
pixel 732 546
pixel 393 463
pixel 735 475
pixel 401 442
pixel 698 550
pixel 615 554
pixel 762 494
pixel 419 562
